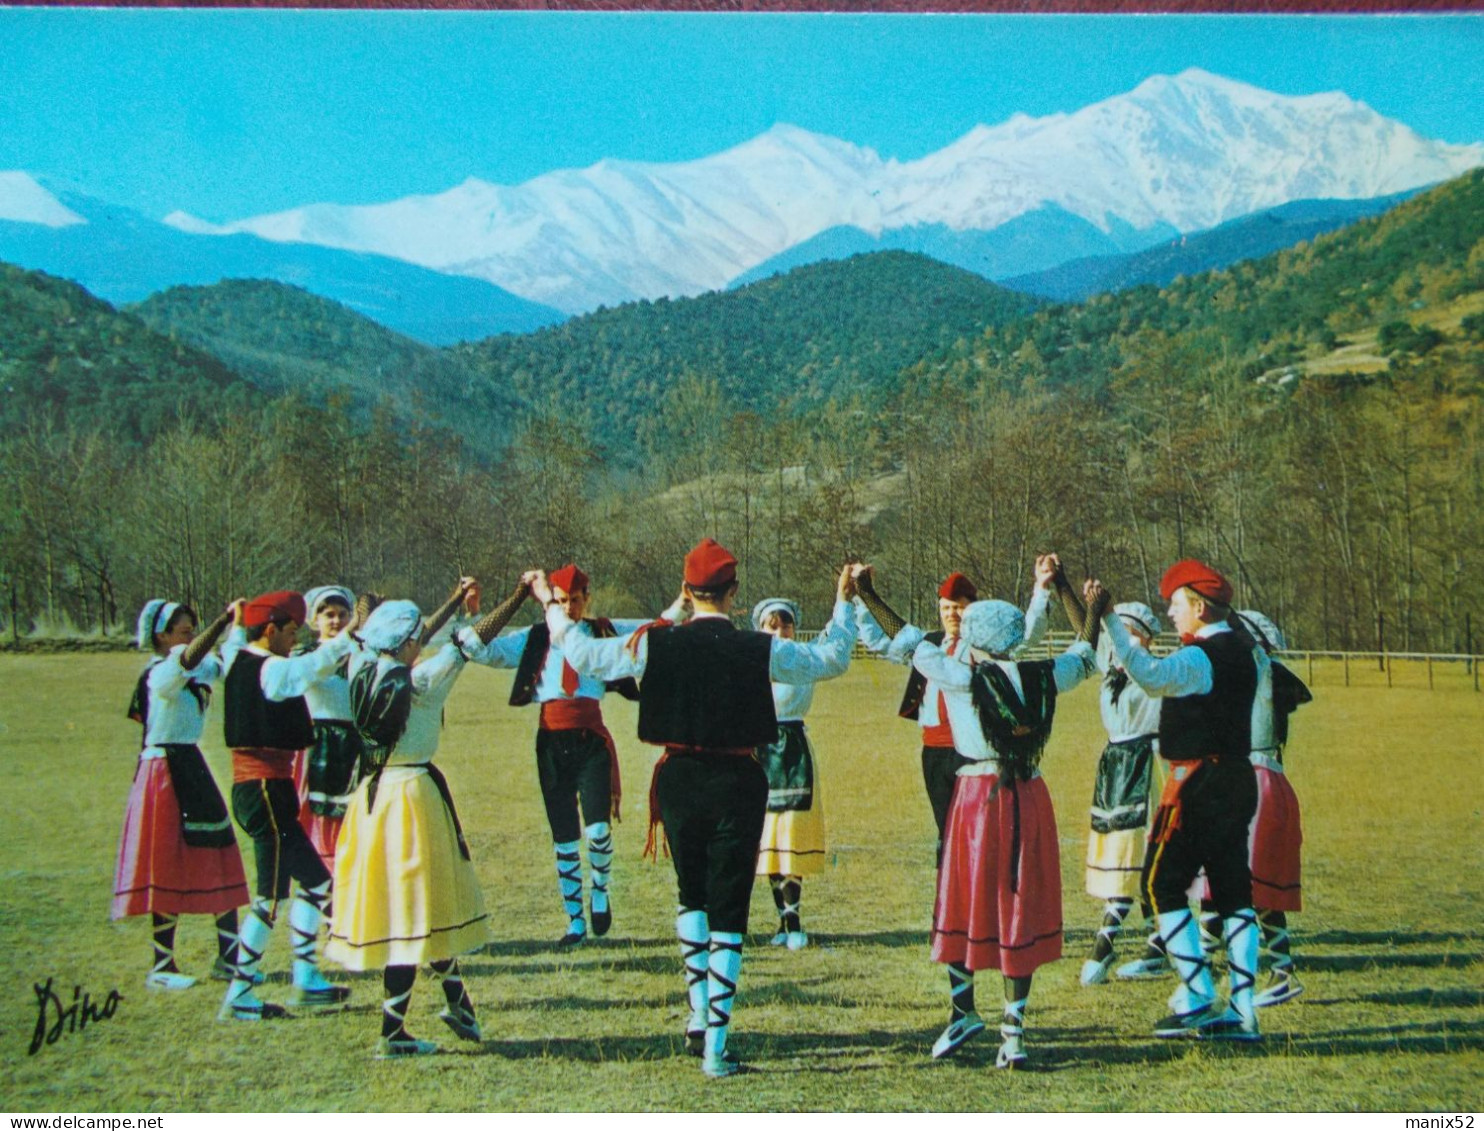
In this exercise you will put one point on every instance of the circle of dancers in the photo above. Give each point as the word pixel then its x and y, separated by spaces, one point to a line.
pixel 354 827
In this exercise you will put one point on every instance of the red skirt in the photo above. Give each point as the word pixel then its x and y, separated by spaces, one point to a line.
pixel 999 886
pixel 323 832
pixel 1274 843
pixel 157 870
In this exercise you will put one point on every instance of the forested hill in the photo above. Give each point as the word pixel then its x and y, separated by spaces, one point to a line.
pixel 1285 307
pixel 829 331
pixel 66 356
pixel 287 340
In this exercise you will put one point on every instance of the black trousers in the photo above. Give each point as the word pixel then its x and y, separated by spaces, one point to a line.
pixel 1216 805
pixel 574 769
pixel 713 806
pixel 939 774
pixel 268 811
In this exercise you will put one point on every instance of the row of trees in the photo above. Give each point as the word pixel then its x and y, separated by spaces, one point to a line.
pixel 1332 501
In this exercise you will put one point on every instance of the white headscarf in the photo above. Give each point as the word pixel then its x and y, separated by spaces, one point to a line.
pixel 313 598
pixel 1266 632
pixel 392 625
pixel 763 609
pixel 993 626
pixel 154 617
pixel 1144 618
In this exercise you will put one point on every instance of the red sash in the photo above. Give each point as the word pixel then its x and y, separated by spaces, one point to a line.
pixel 652 840
pixel 261 763
pixel 1167 816
pixel 586 714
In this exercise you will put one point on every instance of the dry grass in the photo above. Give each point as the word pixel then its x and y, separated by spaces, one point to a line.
pixel 1389 949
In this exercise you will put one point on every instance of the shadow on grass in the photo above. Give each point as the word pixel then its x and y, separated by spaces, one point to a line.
pixel 1381 938
pixel 1337 963
pixel 877 938
pixel 1453 998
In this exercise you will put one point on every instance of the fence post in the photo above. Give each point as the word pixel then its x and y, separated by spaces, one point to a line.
pixel 1311 669
pixel 1346 657
pixel 1386 663
pixel 1429 671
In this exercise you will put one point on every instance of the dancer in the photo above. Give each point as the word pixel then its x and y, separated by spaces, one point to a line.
pixel 576 759
pixel 922 700
pixel 1128 772
pixel 325 774
pixel 794 829
pixel 999 885
pixel 1205 728
pixel 267 722
pixel 1276 839
pixel 705 696
pixel 177 855
pixel 406 892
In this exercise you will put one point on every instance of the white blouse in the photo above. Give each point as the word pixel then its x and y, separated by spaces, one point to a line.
pixel 174 716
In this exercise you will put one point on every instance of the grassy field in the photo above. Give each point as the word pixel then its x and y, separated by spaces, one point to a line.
pixel 1389 948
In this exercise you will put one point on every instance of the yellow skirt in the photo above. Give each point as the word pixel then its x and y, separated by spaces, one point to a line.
pixel 404 894
pixel 793 840
pixel 1116 860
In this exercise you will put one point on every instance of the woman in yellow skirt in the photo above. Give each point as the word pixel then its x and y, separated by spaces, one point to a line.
pixel 793 842
pixel 405 889
pixel 1128 770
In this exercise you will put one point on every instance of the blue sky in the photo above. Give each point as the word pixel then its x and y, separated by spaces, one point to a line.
pixel 228 114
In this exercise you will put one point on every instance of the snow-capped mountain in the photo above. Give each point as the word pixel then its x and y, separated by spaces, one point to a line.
pixel 25 201
pixel 1176 154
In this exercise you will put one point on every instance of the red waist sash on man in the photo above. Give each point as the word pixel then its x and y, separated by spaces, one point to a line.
pixel 585 714
pixel 262 763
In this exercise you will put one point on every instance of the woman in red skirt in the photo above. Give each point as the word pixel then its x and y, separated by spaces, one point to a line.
pixel 178 855
pixel 1276 837
pixel 326 774
pixel 999 884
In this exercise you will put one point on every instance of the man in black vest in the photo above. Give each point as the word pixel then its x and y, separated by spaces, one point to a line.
pixel 267 721
pixel 1205 723
pixel 705 696
pixel 576 760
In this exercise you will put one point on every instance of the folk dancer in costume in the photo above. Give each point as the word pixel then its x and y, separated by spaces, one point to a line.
pixel 267 722
pixel 1207 690
pixel 922 700
pixel 177 855
pixel 406 892
pixel 999 885
pixel 1276 839
pixel 325 774
pixel 705 695
pixel 794 828
pixel 1129 772
pixel 576 759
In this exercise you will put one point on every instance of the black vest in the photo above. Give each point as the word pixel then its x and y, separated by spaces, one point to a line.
pixel 533 659
pixel 1218 723
pixel 254 720
pixel 917 684
pixel 706 684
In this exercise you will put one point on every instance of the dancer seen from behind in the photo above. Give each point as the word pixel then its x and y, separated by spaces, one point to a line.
pixel 705 695
pixel 1207 690
pixel 793 841
pixel 177 855
pixel 998 902
pixel 576 759
pixel 406 892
